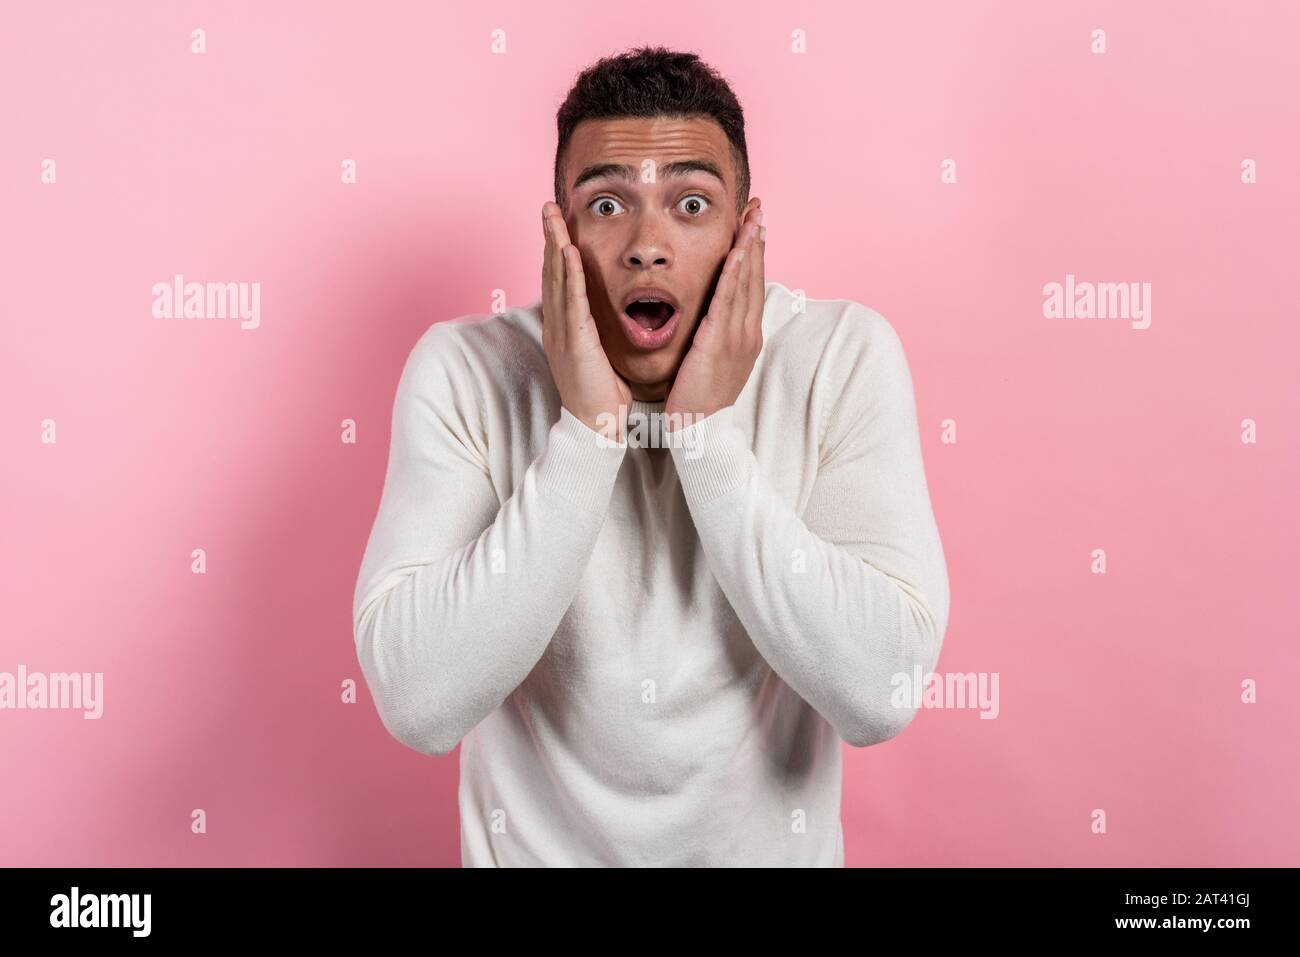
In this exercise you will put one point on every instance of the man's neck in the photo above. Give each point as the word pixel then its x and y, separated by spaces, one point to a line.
pixel 650 393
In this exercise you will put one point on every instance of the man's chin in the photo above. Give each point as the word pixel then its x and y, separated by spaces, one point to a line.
pixel 649 376
pixel 649 372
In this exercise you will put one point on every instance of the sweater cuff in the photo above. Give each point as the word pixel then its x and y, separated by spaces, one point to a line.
pixel 579 464
pixel 712 456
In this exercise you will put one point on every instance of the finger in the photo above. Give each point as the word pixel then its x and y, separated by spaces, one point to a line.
pixel 552 272
pixel 555 259
pixel 560 236
pixel 741 300
pixel 559 226
pixel 724 293
pixel 757 282
pixel 733 270
pixel 578 309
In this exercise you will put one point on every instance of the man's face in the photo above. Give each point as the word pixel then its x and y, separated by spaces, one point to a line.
pixel 650 223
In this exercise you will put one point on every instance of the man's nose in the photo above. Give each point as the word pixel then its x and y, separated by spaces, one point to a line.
pixel 649 243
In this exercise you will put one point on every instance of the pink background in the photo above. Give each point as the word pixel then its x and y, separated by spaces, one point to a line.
pixel 222 691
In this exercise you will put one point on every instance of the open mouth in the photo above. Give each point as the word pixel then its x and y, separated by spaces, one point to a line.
pixel 649 318
pixel 650 314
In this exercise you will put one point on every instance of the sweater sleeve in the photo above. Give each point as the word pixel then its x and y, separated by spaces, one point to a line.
pixel 841 600
pixel 459 594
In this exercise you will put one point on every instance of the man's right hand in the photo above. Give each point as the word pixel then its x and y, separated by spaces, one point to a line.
pixel 589 387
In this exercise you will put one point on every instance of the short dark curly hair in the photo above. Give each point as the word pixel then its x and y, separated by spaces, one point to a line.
pixel 648 82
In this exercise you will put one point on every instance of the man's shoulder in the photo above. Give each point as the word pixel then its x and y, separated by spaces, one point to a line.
pixel 824 330
pixel 847 355
pixel 482 340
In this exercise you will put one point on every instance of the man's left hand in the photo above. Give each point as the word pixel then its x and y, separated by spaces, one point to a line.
pixel 728 340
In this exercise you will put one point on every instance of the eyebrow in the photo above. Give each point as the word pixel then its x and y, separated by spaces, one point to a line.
pixel 666 171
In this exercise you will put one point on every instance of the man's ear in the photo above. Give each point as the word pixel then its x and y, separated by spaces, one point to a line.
pixel 749 207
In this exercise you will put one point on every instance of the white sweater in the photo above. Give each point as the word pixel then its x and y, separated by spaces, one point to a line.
pixel 650 655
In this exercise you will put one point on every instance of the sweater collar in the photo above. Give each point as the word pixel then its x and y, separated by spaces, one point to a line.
pixel 648 408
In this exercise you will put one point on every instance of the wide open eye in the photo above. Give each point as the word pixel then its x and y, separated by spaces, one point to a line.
pixel 601 206
pixel 701 204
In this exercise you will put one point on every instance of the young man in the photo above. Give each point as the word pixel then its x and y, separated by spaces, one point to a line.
pixel 650 548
